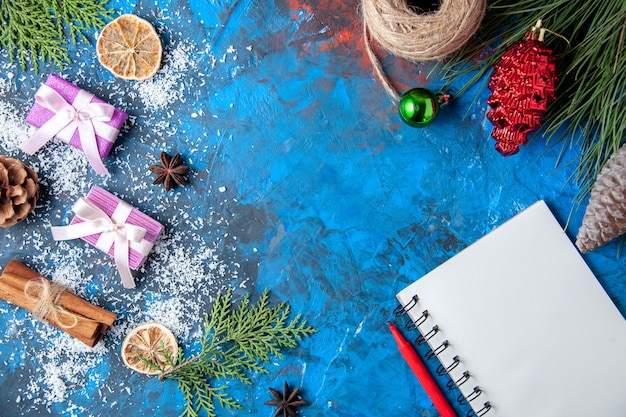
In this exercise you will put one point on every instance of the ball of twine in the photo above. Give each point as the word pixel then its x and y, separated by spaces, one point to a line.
pixel 414 36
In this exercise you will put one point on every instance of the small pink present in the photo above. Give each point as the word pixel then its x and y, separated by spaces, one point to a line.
pixel 114 227
pixel 73 116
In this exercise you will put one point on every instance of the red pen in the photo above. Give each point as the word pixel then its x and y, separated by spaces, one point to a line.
pixel 422 374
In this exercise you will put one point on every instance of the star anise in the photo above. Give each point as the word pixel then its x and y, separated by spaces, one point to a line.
pixel 171 173
pixel 286 401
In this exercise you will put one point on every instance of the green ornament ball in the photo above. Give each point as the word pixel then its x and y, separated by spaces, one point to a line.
pixel 418 107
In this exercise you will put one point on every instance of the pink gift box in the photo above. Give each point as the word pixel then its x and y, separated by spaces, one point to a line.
pixel 107 202
pixel 39 115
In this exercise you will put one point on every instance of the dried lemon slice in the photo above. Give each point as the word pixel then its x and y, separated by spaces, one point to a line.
pixel 151 342
pixel 130 48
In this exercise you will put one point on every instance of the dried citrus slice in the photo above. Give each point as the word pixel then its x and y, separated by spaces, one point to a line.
pixel 152 342
pixel 130 48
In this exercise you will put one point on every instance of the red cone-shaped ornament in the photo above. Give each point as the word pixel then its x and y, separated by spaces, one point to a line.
pixel 522 86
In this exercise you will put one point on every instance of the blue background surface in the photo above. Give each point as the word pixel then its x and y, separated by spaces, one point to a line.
pixel 304 180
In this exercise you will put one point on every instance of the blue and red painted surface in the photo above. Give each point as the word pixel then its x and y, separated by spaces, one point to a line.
pixel 304 181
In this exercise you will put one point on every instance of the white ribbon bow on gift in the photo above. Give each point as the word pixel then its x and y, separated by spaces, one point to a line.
pixel 89 118
pixel 113 231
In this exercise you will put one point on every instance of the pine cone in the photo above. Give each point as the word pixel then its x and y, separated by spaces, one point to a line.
pixel 605 216
pixel 18 191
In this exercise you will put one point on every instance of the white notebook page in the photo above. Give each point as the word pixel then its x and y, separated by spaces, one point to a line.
pixel 529 321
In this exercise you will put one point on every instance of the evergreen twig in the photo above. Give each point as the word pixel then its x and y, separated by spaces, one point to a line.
pixel 40 29
pixel 590 109
pixel 236 340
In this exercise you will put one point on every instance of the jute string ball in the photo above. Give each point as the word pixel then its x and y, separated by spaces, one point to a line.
pixel 416 36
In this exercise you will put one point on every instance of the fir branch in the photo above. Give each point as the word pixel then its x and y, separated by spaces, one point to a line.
pixel 589 110
pixel 34 30
pixel 78 16
pixel 18 38
pixel 235 342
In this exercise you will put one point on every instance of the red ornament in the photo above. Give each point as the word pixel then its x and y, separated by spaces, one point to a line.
pixel 522 86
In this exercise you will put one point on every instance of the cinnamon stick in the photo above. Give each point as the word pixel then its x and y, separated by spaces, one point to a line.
pixel 18 272
pixel 91 323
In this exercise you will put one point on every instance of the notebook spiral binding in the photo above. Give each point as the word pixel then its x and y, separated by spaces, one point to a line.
pixel 451 364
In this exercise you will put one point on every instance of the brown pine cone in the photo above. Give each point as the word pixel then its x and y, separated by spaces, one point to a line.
pixel 605 216
pixel 18 191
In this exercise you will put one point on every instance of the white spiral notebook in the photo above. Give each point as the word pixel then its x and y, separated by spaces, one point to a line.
pixel 522 326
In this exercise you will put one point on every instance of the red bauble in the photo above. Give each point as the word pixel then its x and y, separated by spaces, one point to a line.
pixel 522 86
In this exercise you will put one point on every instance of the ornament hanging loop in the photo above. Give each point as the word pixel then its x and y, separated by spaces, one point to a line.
pixel 536 33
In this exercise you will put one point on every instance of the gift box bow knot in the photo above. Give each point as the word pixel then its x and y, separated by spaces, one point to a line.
pixel 82 115
pixel 113 232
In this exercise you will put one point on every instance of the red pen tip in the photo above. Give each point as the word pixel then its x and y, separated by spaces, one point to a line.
pixel 400 340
